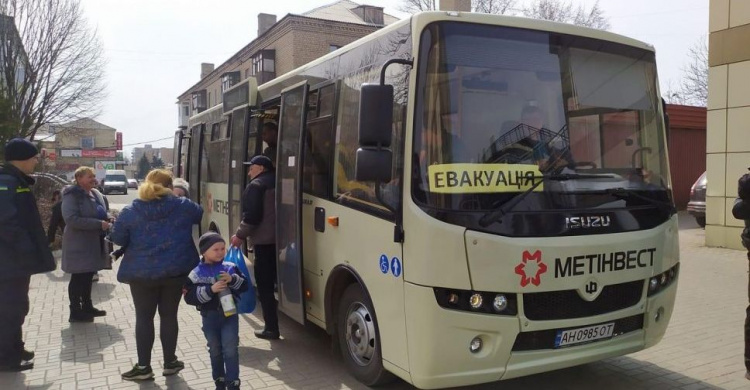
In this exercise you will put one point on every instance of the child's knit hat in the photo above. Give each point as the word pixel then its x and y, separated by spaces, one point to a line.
pixel 207 240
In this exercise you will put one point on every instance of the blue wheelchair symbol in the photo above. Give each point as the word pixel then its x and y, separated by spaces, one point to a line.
pixel 384 264
pixel 396 267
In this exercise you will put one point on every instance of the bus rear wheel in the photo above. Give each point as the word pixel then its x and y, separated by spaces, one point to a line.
pixel 357 332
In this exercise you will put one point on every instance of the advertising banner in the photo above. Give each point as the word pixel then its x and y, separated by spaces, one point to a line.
pixel 70 153
pixel 119 140
pixel 98 153
pixel 104 165
pixel 49 154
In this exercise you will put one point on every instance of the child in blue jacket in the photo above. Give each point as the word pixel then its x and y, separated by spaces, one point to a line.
pixel 202 289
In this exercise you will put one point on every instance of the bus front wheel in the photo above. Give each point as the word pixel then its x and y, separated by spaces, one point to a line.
pixel 357 332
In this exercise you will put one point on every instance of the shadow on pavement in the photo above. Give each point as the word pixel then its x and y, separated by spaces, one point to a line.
pixel 102 291
pixel 686 221
pixel 304 358
pixel 83 342
pixel 15 380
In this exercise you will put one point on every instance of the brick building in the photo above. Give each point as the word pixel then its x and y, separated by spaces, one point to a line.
pixel 282 46
pixel 728 138
pixel 84 142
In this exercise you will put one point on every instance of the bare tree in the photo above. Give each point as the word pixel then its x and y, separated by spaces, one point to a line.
pixel 500 7
pixel 566 12
pixel 693 88
pixel 414 6
pixel 55 74
pixel 484 6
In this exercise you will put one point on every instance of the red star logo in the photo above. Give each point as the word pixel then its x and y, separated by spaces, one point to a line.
pixel 210 201
pixel 531 261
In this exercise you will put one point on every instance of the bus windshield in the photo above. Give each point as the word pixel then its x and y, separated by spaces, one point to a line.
pixel 499 109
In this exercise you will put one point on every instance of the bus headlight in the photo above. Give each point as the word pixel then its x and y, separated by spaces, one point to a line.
pixel 659 282
pixel 475 301
pixel 498 303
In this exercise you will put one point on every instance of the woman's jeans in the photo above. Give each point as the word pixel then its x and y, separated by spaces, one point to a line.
pixel 222 334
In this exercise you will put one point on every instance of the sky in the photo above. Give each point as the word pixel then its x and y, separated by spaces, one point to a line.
pixel 154 48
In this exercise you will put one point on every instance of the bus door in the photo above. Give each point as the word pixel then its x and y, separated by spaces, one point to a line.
pixel 289 201
pixel 242 146
pixel 194 168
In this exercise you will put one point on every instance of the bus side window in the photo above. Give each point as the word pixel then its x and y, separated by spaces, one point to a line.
pixel 319 140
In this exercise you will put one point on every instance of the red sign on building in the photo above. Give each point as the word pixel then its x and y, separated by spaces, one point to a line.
pixel 119 140
pixel 97 153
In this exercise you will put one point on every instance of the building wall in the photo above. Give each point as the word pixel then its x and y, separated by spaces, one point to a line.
pixel 687 144
pixel 728 140
pixel 296 40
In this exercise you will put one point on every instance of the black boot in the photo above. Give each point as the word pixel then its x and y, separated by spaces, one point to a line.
pixel 89 308
pixel 78 315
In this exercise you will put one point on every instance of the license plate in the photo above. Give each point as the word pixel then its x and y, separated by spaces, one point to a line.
pixel 584 335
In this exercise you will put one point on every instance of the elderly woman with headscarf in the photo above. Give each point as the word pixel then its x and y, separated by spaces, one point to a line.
pixel 157 232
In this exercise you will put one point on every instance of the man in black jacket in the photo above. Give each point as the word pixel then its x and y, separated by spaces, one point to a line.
pixel 741 210
pixel 23 250
pixel 259 225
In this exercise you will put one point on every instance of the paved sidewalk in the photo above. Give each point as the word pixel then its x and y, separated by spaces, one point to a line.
pixel 701 350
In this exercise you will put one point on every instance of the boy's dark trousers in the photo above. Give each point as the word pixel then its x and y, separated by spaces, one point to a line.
pixel 265 276
pixel 14 305
pixel 222 334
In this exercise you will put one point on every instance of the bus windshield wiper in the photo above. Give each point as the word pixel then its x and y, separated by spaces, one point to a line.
pixel 626 193
pixel 497 214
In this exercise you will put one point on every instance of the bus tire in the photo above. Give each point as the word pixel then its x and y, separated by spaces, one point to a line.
pixel 358 337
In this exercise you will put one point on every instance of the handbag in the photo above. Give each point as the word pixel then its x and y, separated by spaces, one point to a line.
pixel 246 302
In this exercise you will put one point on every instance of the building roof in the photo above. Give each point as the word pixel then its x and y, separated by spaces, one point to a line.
pixel 687 117
pixel 341 11
pixel 83 123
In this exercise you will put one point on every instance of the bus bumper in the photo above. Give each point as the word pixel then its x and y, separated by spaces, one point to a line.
pixel 439 340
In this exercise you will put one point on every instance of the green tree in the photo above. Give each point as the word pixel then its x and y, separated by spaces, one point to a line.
pixel 157 162
pixel 143 167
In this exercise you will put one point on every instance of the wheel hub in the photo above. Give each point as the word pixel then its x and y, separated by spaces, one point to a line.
pixel 360 334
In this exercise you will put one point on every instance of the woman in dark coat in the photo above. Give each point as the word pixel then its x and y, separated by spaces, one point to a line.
pixel 83 250
pixel 56 221
pixel 157 230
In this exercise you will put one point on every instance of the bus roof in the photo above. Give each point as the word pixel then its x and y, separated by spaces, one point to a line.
pixel 422 19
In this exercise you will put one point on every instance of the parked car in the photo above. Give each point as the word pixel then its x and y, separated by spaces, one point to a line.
pixel 697 205
pixel 115 181
pixel 132 183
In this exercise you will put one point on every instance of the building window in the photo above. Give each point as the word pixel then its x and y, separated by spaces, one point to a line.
pixel 229 79
pixel 264 65
pixel 199 100
pixel 87 143
pixel 332 48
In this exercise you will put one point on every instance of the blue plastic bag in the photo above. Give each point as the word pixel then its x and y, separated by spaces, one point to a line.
pixel 246 302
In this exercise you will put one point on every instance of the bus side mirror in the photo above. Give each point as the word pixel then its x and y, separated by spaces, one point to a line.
pixel 375 115
pixel 373 164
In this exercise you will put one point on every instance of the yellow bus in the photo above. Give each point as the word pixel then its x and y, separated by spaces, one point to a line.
pixel 461 198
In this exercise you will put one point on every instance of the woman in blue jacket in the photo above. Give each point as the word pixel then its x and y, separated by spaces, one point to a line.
pixel 156 231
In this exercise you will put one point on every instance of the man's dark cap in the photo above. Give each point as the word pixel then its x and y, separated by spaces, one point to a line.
pixel 260 160
pixel 19 149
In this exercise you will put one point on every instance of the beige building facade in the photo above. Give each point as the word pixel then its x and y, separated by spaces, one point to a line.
pixel 728 133
pixel 85 142
pixel 282 46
